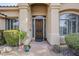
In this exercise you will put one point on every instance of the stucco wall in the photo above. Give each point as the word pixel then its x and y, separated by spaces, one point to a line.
pixel 10 13
pixel 48 24
pixel 2 24
pixel 65 6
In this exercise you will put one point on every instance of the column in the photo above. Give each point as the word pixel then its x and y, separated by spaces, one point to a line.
pixel 54 21
pixel 23 16
pixel 24 21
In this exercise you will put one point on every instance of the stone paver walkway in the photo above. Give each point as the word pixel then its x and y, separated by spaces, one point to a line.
pixel 41 49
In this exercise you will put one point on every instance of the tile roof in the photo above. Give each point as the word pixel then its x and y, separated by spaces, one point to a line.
pixel 7 5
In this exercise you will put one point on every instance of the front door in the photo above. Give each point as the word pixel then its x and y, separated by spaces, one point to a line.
pixel 39 30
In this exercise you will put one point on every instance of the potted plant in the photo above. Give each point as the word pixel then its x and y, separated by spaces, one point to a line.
pixel 23 39
pixel 72 41
pixel 27 48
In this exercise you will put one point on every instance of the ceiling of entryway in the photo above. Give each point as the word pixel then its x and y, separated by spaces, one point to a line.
pixel 39 9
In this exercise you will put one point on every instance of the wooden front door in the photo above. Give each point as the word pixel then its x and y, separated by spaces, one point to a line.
pixel 39 30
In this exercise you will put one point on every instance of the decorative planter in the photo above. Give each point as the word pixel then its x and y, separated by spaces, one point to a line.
pixel 27 48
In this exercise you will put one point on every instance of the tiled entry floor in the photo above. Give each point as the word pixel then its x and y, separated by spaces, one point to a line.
pixel 41 49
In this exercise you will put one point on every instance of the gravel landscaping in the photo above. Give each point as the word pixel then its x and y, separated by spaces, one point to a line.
pixel 8 51
pixel 65 51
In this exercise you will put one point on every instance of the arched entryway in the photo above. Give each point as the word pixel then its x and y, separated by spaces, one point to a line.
pixel 39 28
pixel 39 14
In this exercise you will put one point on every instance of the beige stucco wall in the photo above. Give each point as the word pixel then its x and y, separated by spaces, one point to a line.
pixel 65 6
pixel 10 13
pixel 54 38
pixel 48 24
pixel 2 24
pixel 25 21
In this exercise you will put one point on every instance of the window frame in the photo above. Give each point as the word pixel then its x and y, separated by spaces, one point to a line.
pixel 70 19
pixel 9 24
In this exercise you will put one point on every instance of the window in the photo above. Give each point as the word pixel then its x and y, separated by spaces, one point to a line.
pixel 69 23
pixel 11 24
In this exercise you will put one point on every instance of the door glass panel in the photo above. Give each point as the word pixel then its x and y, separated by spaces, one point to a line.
pixel 69 26
pixel 73 26
pixel 32 27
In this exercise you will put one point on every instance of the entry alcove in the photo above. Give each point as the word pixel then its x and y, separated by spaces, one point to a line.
pixel 39 9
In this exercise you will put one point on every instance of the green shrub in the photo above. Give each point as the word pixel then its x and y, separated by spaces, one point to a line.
pixel 12 37
pixel 22 34
pixel 2 39
pixel 72 40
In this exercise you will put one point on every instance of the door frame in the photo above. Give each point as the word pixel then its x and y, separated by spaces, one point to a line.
pixel 36 17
